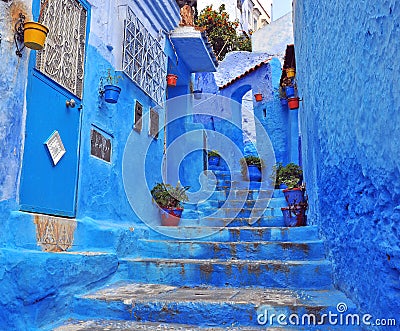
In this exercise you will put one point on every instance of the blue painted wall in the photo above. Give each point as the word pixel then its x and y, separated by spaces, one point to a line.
pixel 347 67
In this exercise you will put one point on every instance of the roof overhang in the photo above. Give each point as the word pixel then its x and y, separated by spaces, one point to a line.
pixel 194 49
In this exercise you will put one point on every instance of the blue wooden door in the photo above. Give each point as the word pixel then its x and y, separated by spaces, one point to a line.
pixel 51 150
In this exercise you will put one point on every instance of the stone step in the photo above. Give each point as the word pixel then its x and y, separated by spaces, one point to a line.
pixel 205 307
pixel 239 212
pixel 256 250
pixel 243 233
pixel 236 273
pixel 263 221
pixel 121 325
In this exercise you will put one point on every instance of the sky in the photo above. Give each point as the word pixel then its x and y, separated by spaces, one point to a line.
pixel 281 7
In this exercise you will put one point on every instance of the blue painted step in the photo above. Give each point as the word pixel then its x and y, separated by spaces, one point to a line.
pixel 233 273
pixel 242 233
pixel 313 250
pixel 208 306
pixel 263 221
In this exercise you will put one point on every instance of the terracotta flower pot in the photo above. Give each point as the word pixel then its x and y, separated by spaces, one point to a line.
pixel 171 217
pixel 171 79
pixel 293 103
pixel 258 97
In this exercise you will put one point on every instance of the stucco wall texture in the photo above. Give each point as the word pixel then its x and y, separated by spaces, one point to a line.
pixel 347 67
pixel 13 71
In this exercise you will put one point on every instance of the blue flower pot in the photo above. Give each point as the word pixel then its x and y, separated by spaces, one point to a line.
pixel 254 173
pixel 294 217
pixel 283 186
pixel 294 196
pixel 284 102
pixel 111 93
pixel 213 160
pixel 289 91
pixel 197 94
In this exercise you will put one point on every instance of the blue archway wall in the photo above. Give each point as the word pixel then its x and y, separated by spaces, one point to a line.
pixel 280 124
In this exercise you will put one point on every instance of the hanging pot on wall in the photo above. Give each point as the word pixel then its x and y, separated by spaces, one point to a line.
pixel 197 94
pixel 289 91
pixel 258 97
pixel 293 103
pixel 171 79
pixel 35 35
pixel 290 72
pixel 111 93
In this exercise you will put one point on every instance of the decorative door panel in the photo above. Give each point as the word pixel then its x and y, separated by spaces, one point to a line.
pixel 52 135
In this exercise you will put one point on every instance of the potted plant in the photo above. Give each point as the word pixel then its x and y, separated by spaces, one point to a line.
pixel 170 199
pixel 111 90
pixel 213 158
pixel 35 33
pixel 290 175
pixel 258 97
pixel 293 103
pixel 197 94
pixel 252 166
pixel 294 215
pixel 282 96
pixel 290 72
pixel 289 86
pixel 171 79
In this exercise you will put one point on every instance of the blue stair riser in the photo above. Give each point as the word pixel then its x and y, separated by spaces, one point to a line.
pixel 294 234
pixel 264 221
pixel 200 313
pixel 240 212
pixel 305 275
pixel 231 250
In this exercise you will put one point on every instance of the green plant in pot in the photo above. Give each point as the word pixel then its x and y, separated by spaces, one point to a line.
pixel 289 177
pixel 170 199
pixel 213 158
pixel 111 90
pixel 251 166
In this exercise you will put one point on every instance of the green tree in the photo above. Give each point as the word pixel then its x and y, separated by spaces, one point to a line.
pixel 222 32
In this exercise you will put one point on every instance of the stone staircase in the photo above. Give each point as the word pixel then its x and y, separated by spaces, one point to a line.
pixel 228 266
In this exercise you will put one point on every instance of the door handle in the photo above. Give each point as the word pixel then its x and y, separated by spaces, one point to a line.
pixel 70 103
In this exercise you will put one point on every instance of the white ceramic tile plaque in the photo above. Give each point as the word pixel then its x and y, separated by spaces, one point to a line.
pixel 55 147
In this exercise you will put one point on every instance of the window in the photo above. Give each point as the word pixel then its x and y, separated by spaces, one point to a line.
pixel 62 59
pixel 143 59
pixel 138 116
pixel 154 123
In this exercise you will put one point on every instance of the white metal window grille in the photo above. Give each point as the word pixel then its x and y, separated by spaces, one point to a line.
pixel 143 59
pixel 62 58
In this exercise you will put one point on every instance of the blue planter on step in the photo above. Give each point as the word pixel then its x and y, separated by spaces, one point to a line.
pixel 284 102
pixel 111 93
pixel 290 91
pixel 254 173
pixel 294 196
pixel 294 216
pixel 213 160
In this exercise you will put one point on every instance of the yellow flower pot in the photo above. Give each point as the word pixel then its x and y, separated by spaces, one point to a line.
pixel 35 35
pixel 290 72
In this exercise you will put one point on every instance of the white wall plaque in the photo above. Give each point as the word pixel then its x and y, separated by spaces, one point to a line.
pixel 55 147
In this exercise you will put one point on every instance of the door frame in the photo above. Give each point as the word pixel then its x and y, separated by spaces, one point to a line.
pixel 33 73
